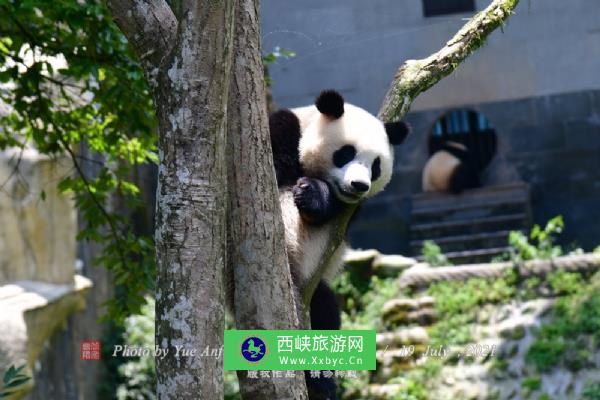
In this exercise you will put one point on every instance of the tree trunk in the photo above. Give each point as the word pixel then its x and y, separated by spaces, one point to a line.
pixel 191 201
pixel 263 297
pixel 188 68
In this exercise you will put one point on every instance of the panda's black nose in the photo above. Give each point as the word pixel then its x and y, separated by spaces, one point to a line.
pixel 360 187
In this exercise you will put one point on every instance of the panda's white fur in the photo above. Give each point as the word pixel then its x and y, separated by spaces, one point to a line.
pixel 306 243
pixel 440 168
pixel 320 137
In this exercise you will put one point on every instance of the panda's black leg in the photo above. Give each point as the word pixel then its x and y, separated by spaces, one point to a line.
pixel 324 314
pixel 315 200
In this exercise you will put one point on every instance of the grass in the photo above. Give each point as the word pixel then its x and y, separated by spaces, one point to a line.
pixel 574 330
pixel 457 304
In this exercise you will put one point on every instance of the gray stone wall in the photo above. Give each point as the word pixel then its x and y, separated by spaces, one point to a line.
pixel 551 142
pixel 537 81
pixel 547 47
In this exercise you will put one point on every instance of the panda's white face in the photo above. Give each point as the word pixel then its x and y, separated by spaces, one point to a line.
pixel 352 153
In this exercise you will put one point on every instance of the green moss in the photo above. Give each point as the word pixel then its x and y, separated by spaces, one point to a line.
pixel 457 304
pixel 564 283
pixel 532 383
pixel 591 391
pixel 574 327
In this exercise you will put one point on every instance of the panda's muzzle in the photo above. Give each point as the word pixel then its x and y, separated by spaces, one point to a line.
pixel 352 196
pixel 359 187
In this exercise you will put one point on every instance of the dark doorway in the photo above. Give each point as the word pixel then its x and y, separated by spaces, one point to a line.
pixel 469 128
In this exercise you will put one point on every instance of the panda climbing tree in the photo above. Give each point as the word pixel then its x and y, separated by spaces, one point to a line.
pixel 217 197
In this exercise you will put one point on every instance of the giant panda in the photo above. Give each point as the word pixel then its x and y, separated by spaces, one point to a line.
pixel 327 156
pixel 452 169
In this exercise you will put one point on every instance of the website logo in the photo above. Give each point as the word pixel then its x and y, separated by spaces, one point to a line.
pixel 253 349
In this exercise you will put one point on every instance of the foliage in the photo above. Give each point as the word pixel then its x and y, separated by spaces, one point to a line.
pixel 457 304
pixel 531 383
pixel 69 79
pixel 539 244
pixel 573 331
pixel 13 378
pixel 139 374
pixel 432 254
pixel 591 391
pixel 362 304
pixel 272 57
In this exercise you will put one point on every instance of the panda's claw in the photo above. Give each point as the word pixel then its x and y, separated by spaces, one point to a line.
pixel 314 200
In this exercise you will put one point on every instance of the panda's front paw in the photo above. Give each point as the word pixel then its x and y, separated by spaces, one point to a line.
pixel 310 196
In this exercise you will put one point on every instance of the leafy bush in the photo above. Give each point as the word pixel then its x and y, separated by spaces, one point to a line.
pixel 139 374
pixel 432 254
pixel 362 309
pixel 13 378
pixel 539 244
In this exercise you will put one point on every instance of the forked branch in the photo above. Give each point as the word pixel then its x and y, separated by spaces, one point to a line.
pixel 149 25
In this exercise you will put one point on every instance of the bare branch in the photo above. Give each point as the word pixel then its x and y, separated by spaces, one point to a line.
pixel 416 76
pixel 149 25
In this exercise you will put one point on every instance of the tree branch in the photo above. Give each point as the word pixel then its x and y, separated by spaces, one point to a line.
pixel 416 76
pixel 149 25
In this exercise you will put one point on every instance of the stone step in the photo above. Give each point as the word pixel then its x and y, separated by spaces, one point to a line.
pixel 469 210
pixel 473 256
pixel 456 243
pixel 433 230
pixel 478 196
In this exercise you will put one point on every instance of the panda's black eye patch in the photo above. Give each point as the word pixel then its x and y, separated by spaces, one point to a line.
pixel 375 169
pixel 343 155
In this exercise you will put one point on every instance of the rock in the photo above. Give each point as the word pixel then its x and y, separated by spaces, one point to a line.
pixel 391 265
pixel 407 311
pixel 37 237
pixel 360 258
pixel 384 392
pixel 515 332
pixel 30 312
pixel 403 337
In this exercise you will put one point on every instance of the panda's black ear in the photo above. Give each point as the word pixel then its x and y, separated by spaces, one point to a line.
pixel 397 131
pixel 330 103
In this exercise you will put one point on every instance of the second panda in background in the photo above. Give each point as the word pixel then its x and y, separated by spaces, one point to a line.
pixel 451 169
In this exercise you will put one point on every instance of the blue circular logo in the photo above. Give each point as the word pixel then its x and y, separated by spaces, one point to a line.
pixel 253 349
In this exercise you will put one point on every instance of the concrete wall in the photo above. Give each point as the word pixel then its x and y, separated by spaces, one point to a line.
pixel 548 47
pixel 551 142
pixel 537 81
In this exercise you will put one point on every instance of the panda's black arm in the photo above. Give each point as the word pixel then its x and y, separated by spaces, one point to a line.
pixel 316 201
pixel 284 129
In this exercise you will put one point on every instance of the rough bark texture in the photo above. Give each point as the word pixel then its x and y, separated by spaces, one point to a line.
pixel 263 297
pixel 189 70
pixel 416 76
pixel 150 26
